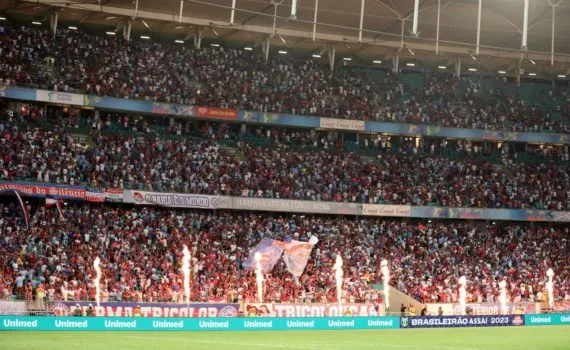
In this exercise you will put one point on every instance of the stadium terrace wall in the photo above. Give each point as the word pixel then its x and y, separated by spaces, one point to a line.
pixel 197 201
pixel 31 323
pixel 169 109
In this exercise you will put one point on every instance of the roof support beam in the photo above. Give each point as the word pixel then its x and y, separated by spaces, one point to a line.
pixel 552 34
pixel 332 56
pixel 437 29
pixel 361 20
pixel 315 19
pixel 233 13
pixel 416 14
pixel 274 20
pixel 525 27
pixel 294 9
pixel 478 28
pixel 53 21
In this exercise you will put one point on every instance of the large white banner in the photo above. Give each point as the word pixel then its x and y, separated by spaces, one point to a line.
pixel 60 97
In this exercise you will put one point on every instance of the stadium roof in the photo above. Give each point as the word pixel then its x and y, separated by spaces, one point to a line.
pixel 338 21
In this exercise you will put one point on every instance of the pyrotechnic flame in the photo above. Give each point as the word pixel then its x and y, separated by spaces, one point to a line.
pixel 386 274
pixel 97 280
pixel 503 296
pixel 258 277
pixel 550 288
pixel 186 270
pixel 463 294
pixel 338 277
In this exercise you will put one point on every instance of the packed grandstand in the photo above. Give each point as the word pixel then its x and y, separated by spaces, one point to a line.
pixel 51 255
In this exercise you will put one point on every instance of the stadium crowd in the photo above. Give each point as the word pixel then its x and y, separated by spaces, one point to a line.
pixel 321 173
pixel 141 252
pixel 75 61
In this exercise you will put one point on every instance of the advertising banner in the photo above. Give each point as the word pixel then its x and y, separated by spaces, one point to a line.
pixel 8 307
pixel 296 206
pixel 550 319
pixel 312 310
pixel 386 210
pixel 125 309
pixel 189 324
pixel 172 109
pixel 179 200
pixel 120 104
pixel 60 97
pixel 342 124
pixel 484 308
pixel 96 195
pixel 113 194
pixel 17 93
pixel 279 119
pixel 41 190
pixel 562 307
pixel 216 113
pixel 461 321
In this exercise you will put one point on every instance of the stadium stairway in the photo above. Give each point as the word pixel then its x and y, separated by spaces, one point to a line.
pixel 398 298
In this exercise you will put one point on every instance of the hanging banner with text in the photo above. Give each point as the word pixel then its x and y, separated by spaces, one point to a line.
pixel 125 309
pixel 312 310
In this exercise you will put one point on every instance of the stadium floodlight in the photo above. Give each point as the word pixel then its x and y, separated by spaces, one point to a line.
pixel 110 18
pixel 282 52
pixel 474 58
pixel 472 69
pixel 347 59
pixel 215 45
pixel 411 52
pixel 502 72
pixel 145 37
pixel 532 74
pixel 441 67
pixel 532 61
pixel 2 18
pixel 377 61
pixel 179 41
pixel 37 23
pixel 248 48
pixel 145 24
pixel 110 33
pixel 410 64
pixel 561 76
pixel 283 40
pixel 72 28
pixel 316 55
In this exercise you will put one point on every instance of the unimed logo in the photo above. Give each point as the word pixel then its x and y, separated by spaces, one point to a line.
pixel 564 319
pixel 541 320
pixel 20 324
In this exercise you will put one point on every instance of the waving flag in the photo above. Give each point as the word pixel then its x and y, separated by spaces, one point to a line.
pixel 270 251
pixel 296 255
pixel 51 201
